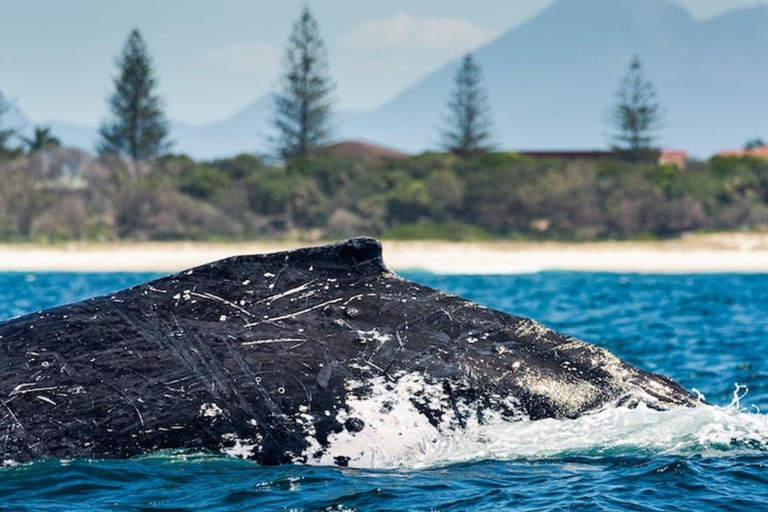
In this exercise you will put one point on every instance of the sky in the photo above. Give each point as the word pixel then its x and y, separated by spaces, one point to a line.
pixel 57 58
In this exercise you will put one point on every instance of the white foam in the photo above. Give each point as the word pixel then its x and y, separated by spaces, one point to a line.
pixel 705 430
pixel 404 438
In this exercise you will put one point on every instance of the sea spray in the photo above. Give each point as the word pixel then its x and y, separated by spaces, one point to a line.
pixel 706 430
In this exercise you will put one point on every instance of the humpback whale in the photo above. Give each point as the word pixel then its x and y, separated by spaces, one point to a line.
pixel 318 356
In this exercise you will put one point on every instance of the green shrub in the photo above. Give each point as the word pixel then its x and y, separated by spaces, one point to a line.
pixel 203 182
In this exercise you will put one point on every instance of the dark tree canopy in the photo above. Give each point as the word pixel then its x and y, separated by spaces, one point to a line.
pixel 469 125
pixel 754 143
pixel 138 128
pixel 41 139
pixel 6 133
pixel 637 116
pixel 303 107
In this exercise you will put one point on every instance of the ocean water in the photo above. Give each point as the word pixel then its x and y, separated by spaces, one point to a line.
pixel 709 332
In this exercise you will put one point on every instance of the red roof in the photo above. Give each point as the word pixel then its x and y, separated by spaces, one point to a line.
pixel 361 149
pixel 761 152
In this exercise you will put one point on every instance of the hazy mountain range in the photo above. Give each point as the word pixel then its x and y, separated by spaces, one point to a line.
pixel 552 81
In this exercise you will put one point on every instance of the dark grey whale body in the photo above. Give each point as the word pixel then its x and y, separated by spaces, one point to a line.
pixel 303 356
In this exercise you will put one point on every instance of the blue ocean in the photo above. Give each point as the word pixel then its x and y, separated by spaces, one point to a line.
pixel 709 332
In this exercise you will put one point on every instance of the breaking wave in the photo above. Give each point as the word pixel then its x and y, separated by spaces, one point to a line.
pixel 705 431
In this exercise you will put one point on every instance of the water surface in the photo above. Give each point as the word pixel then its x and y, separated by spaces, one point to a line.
pixel 709 332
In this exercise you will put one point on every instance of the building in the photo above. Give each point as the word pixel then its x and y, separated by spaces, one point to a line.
pixel 758 152
pixel 675 157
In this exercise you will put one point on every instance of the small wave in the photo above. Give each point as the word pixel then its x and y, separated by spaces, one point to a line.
pixel 706 430
pixel 404 438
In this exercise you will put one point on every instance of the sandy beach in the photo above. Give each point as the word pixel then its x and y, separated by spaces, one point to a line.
pixel 723 252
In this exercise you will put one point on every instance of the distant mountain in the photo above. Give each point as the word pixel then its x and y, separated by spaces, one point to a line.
pixel 552 82
pixel 248 131
pixel 75 135
pixel 245 132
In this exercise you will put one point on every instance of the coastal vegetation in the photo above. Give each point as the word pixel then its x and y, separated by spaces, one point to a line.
pixel 63 194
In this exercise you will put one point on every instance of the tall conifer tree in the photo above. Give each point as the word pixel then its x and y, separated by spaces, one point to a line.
pixel 138 128
pixel 469 124
pixel 42 138
pixel 637 116
pixel 303 106
pixel 6 133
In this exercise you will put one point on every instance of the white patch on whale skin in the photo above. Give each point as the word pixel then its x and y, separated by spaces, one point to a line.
pixel 373 335
pixel 210 410
pixel 395 430
pixel 306 421
pixel 393 425
pixel 242 448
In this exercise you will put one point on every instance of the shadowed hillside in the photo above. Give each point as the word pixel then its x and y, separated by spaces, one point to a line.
pixel 552 80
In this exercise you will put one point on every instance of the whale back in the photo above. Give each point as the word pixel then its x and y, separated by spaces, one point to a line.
pixel 277 357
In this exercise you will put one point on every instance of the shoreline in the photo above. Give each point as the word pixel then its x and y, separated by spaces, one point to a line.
pixel 715 253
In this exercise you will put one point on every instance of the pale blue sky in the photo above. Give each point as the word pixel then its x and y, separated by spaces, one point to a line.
pixel 57 57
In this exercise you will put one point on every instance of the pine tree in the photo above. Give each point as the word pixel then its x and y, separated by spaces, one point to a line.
pixel 637 115
pixel 6 133
pixel 303 107
pixel 469 124
pixel 138 128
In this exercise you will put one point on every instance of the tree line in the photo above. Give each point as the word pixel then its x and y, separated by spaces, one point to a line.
pixel 433 195
pixel 303 106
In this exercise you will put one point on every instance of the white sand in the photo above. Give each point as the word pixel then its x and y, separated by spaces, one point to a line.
pixel 706 253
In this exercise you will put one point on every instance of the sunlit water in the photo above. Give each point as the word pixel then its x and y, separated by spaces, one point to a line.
pixel 709 332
